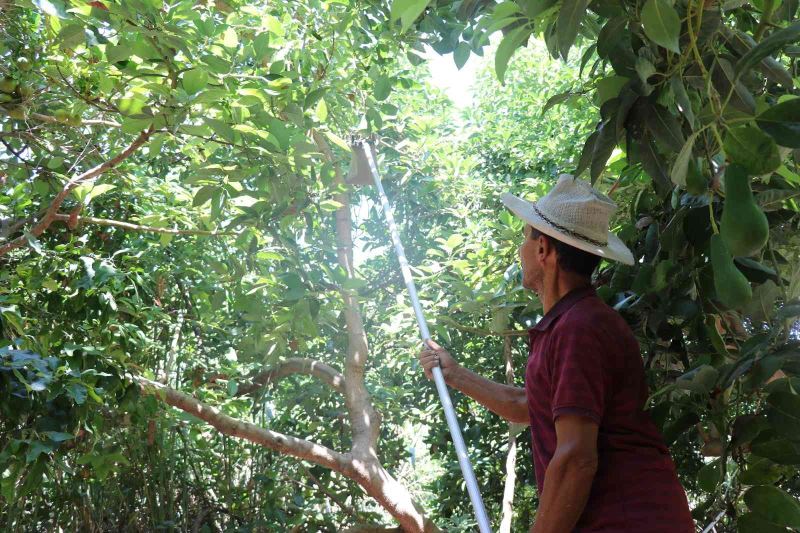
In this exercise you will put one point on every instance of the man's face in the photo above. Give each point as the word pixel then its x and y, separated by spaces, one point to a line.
pixel 530 259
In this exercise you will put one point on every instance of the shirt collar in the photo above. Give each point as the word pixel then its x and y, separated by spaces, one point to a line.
pixel 562 306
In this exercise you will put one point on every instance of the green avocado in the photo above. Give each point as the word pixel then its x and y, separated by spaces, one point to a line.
pixel 744 226
pixel 23 63
pixel 732 288
pixel 7 85
pixel 17 112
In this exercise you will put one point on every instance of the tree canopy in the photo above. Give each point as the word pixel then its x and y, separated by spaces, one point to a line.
pixel 203 326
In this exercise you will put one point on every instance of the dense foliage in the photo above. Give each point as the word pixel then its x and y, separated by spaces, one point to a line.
pixel 174 218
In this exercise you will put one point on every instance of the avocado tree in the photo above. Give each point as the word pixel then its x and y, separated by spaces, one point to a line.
pixel 696 141
pixel 131 131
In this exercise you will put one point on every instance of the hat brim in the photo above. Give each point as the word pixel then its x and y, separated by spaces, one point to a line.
pixel 614 250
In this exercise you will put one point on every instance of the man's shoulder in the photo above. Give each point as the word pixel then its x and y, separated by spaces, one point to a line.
pixel 592 317
pixel 591 311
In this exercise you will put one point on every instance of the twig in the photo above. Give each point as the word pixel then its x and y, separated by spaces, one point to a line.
pixel 91 122
pixel 485 332
pixel 136 227
pixel 89 175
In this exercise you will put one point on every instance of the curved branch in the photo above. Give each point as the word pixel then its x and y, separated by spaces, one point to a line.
pixel 136 227
pixel 286 444
pixel 296 365
pixel 92 173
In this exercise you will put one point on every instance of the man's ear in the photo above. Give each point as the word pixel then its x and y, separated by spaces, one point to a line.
pixel 545 247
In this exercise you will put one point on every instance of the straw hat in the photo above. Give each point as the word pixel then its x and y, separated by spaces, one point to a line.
pixel 574 213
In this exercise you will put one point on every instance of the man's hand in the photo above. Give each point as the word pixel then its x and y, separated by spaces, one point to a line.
pixel 435 355
pixel 505 400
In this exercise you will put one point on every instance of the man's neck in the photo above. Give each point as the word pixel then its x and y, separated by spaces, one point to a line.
pixel 559 285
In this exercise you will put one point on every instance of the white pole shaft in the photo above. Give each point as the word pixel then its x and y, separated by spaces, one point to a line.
pixel 438 378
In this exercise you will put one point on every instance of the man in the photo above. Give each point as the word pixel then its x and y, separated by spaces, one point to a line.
pixel 600 462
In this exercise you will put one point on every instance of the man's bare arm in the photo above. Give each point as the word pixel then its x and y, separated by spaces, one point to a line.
pixel 505 401
pixel 569 476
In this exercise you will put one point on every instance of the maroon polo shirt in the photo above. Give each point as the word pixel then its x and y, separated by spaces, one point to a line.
pixel 584 360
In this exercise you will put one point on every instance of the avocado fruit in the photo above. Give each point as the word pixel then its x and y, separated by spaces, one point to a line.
pixel 61 115
pixel 17 112
pixel 7 85
pixel 732 288
pixel 744 227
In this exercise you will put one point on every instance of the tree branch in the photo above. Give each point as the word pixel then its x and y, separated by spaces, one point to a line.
pixel 136 227
pixel 92 173
pixel 295 365
pixel 90 122
pixel 279 442
pixel 511 459
pixel 364 419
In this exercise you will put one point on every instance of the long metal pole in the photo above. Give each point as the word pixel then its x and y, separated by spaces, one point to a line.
pixel 438 378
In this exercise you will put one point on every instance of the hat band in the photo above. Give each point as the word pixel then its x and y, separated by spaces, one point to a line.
pixel 568 231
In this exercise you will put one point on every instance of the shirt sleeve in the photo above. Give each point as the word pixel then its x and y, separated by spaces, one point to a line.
pixel 579 374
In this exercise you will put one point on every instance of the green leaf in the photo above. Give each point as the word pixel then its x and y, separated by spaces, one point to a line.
pixel 338 141
pixel 753 523
pixel 461 54
pixel 784 414
pixel 760 471
pixel 203 195
pixel 77 392
pixel 569 19
pixel 681 165
pixel 665 128
pixel 782 122
pixel 789 310
pixel 513 40
pixel 700 380
pixel 773 505
pixel 586 153
pixel 321 111
pixel 194 80
pixel 407 11
pixel 383 86
pixel 768 46
pixel 753 149
pixel 709 476
pixel 555 100
pixel 72 35
pixel 329 205
pixel 609 87
pixel 610 36
pixel 135 125
pixel 779 450
pixel 229 38
pixel 116 53
pixel 603 147
pixel 775 199
pixel 662 24
pixel 33 242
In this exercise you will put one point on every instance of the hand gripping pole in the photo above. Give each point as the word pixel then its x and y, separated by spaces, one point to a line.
pixel 438 378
